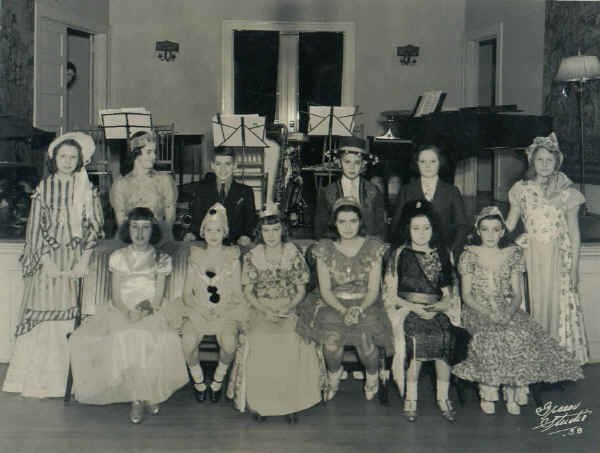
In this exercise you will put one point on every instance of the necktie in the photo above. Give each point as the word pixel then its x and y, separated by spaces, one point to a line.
pixel 222 194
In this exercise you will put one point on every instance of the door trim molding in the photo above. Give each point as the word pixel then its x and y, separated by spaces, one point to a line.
pixel 471 62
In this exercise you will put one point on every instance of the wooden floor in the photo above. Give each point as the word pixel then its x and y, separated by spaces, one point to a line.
pixel 346 424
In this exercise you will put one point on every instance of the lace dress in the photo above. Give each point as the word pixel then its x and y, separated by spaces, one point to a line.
pixel 549 258
pixel 349 281
pixel 115 360
pixel 518 352
pixel 295 366
pixel 40 359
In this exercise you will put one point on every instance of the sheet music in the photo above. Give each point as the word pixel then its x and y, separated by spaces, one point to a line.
pixel 227 130
pixel 116 122
pixel 429 102
pixel 342 120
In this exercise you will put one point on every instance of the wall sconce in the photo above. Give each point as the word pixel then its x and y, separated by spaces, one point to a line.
pixel 408 54
pixel 167 50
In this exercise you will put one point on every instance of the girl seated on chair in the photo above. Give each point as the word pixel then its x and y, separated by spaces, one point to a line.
pixel 127 352
pixel 281 370
pixel 418 297
pixel 212 303
pixel 508 348
pixel 346 308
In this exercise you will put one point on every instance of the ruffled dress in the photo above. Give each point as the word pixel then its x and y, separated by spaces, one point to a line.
pixel 115 360
pixel 280 372
pixel 349 282
pixel 549 258
pixel 519 352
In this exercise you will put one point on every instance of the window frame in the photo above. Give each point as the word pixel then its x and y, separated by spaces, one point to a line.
pixel 229 26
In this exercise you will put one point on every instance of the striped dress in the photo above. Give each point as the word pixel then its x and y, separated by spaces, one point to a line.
pixel 39 362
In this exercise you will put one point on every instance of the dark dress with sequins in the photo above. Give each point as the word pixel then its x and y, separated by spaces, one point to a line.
pixel 421 277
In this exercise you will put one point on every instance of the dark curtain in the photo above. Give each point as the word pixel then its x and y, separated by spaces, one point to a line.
pixel 320 71
pixel 256 54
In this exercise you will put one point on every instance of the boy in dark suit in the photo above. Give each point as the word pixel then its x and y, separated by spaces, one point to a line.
pixel 237 198
pixel 352 154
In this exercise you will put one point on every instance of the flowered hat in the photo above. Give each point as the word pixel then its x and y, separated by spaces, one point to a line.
pixel 216 214
pixel 345 201
pixel 141 140
pixel 84 140
pixel 271 209
pixel 488 211
pixel 549 143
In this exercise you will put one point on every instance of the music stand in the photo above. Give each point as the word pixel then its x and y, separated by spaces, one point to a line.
pixel 241 131
pixel 123 123
pixel 330 121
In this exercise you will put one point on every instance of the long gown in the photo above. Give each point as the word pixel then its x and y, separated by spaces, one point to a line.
pixel 518 352
pixel 549 258
pixel 281 373
pixel 40 359
pixel 115 360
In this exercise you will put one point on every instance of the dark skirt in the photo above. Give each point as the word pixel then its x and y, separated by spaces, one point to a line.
pixel 317 321
pixel 436 338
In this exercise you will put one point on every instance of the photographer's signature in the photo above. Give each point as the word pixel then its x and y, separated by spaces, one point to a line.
pixel 564 419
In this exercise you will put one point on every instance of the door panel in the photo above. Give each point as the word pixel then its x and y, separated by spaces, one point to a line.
pixel 50 64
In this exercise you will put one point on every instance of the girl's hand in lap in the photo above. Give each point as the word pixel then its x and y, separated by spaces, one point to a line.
pixel 135 315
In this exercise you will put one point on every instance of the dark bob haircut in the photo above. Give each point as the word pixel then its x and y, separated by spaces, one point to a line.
pixel 132 154
pixel 140 213
pixel 414 166
pixel 68 142
pixel 270 220
pixel 504 240
pixel 418 208
pixel 346 208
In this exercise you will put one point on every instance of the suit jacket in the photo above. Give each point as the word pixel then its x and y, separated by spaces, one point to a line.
pixel 239 204
pixel 447 203
pixel 372 207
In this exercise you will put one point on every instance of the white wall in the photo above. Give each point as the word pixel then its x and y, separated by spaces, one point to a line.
pixel 92 14
pixel 188 90
pixel 524 23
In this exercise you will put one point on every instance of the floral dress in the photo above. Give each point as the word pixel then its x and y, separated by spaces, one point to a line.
pixel 349 282
pixel 518 352
pixel 549 258
pixel 115 360
pixel 58 230
pixel 295 366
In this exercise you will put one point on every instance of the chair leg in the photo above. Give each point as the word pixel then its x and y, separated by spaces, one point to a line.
pixel 384 379
pixel 459 386
pixel 535 390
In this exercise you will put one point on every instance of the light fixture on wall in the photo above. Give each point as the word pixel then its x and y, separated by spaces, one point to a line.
pixel 408 54
pixel 167 50
pixel 575 72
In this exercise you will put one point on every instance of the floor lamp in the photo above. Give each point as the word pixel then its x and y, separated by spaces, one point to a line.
pixel 576 71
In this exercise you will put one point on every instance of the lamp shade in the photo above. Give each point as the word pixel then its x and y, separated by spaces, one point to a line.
pixel 578 68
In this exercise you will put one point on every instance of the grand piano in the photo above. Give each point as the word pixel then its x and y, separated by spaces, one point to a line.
pixel 462 134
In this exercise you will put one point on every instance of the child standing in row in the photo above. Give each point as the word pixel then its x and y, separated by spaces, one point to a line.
pixel 508 348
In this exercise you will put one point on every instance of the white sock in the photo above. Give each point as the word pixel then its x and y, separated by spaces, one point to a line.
pixel 442 390
pixel 220 373
pixel 371 379
pixel 411 390
pixel 197 376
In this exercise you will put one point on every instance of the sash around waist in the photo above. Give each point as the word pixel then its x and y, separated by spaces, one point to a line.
pixel 419 298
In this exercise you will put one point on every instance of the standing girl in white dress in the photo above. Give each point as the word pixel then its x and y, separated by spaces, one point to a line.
pixel 64 227
pixel 127 352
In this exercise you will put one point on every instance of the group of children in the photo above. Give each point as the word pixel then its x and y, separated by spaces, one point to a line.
pixel 141 347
